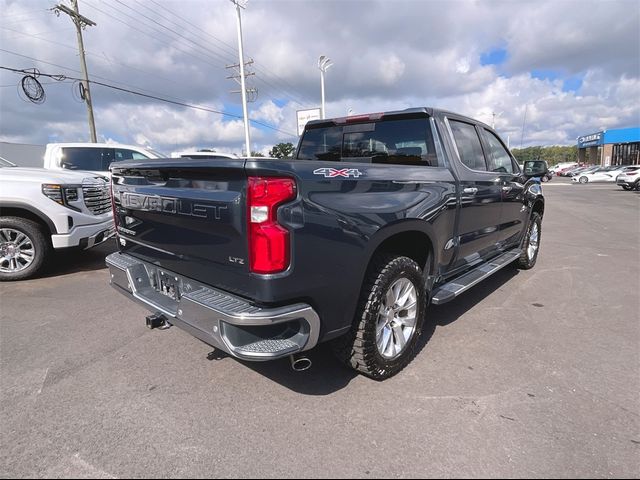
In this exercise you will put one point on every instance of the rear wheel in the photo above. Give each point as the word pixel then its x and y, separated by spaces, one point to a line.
pixel 388 321
pixel 531 244
pixel 583 179
pixel 24 248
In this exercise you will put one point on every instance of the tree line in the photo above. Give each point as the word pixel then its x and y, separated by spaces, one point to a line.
pixel 553 155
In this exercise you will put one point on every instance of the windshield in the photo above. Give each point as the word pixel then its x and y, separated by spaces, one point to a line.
pixel 6 163
pixel 407 141
pixel 157 153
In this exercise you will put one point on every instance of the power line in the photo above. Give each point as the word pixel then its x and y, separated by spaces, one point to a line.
pixel 99 57
pixel 167 28
pixel 138 30
pixel 262 70
pixel 232 50
pixel 21 14
pixel 229 50
pixel 285 91
pixel 133 92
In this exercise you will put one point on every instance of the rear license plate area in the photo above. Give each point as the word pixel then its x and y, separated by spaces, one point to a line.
pixel 169 285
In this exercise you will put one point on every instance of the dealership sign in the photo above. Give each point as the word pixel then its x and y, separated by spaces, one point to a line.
pixel 305 116
pixel 592 140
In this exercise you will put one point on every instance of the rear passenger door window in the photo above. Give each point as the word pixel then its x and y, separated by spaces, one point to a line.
pixel 85 158
pixel 468 145
pixel 499 159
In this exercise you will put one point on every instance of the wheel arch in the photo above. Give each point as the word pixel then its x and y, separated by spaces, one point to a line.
pixel 28 212
pixel 410 238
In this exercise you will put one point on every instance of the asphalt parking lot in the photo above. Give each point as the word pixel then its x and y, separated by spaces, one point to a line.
pixel 530 374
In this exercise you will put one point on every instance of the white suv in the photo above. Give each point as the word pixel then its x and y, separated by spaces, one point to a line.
pixel 93 157
pixel 43 210
pixel 629 179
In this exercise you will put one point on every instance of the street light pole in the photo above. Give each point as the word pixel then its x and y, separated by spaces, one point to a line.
pixel 324 63
pixel 247 139
pixel 493 122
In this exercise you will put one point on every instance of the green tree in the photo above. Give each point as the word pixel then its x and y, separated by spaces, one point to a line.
pixel 553 154
pixel 282 150
pixel 256 154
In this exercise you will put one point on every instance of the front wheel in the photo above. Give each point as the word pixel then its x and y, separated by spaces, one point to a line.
pixel 583 179
pixel 388 320
pixel 625 187
pixel 531 244
pixel 24 248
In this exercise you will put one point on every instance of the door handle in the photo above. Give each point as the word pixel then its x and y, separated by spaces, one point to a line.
pixel 470 190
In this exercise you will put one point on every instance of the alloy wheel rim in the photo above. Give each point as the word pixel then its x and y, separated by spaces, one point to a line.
pixel 397 318
pixel 16 251
pixel 534 239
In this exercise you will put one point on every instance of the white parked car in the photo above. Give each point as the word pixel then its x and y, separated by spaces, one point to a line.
pixel 562 166
pixel 203 155
pixel 43 210
pixel 93 157
pixel 605 174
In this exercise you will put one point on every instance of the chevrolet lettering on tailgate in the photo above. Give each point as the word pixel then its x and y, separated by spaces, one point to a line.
pixel 178 206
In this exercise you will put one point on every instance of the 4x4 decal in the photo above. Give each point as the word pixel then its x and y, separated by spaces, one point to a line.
pixel 343 172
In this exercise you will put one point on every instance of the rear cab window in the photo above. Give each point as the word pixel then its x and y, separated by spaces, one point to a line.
pixel 396 140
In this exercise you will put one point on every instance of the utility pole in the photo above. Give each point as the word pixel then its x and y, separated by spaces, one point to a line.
pixel 247 139
pixel 81 22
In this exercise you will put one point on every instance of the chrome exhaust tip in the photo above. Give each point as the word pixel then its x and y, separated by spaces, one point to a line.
pixel 300 363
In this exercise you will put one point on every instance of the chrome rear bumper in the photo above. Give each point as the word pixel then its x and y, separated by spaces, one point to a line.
pixel 218 318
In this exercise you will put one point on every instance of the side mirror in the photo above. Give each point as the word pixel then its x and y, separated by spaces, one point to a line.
pixel 535 168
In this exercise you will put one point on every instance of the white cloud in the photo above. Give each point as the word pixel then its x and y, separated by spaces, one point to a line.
pixel 387 56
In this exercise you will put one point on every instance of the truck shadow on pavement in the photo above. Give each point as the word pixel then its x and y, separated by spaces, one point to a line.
pixel 74 261
pixel 327 375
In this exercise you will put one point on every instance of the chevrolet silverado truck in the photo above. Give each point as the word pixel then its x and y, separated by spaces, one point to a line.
pixel 374 218
pixel 42 211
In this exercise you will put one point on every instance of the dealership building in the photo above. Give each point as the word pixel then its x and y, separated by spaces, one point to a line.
pixel 611 147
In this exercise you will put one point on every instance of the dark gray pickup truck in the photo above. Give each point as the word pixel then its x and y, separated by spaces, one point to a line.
pixel 375 217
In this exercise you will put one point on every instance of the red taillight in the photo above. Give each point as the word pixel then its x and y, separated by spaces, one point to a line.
pixel 269 250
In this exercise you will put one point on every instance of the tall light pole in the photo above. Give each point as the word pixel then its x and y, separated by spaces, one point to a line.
pixel 493 122
pixel 324 63
pixel 247 139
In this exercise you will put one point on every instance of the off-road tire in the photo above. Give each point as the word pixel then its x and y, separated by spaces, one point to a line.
pixel 525 262
pixel 358 349
pixel 41 246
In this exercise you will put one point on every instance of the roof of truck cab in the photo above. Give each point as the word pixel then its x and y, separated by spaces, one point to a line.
pixel 96 145
pixel 427 110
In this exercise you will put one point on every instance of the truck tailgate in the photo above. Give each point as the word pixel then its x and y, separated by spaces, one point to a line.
pixel 184 215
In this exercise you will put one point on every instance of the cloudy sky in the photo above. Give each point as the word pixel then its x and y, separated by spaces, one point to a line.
pixel 559 69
